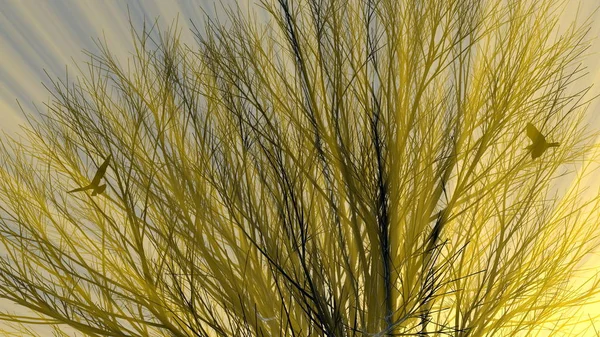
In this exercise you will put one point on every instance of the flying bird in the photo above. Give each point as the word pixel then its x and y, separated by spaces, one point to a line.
pixel 95 184
pixel 539 145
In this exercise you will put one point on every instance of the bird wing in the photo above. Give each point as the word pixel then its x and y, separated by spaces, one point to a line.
pixel 101 171
pixel 534 134
pixel 84 188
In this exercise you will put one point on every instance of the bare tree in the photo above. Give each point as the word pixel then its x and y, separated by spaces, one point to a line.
pixel 350 168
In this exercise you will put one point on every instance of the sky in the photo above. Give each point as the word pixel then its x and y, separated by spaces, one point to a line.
pixel 38 36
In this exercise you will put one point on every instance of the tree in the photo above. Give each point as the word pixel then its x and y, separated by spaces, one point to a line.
pixel 351 168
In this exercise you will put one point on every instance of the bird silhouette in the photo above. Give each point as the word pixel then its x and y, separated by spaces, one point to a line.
pixel 539 145
pixel 95 184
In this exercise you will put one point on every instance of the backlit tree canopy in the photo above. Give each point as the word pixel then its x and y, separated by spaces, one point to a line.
pixel 348 168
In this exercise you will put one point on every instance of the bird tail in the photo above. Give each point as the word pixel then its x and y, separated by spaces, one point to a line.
pixel 553 144
pixel 85 188
pixel 99 190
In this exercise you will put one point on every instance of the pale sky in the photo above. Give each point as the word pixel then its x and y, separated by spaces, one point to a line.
pixel 50 34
